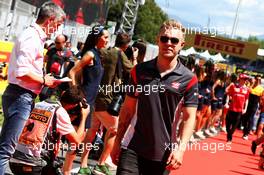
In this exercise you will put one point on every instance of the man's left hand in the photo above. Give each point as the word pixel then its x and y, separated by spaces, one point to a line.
pixel 175 160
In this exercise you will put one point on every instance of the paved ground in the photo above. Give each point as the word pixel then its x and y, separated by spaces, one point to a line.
pixel 208 160
pixel 76 165
pixel 215 157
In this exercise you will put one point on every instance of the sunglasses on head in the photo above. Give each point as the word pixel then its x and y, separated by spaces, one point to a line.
pixel 57 42
pixel 165 39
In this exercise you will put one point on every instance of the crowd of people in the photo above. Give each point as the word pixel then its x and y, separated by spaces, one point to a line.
pixel 182 101
pixel 218 98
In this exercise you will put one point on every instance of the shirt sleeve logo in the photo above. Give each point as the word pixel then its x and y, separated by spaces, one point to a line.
pixel 175 85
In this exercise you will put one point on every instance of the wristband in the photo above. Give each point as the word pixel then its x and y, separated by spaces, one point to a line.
pixel 43 81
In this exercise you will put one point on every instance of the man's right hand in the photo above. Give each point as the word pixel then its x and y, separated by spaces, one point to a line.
pixel 50 81
pixel 85 112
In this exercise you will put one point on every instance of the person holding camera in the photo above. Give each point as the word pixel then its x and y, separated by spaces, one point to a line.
pixel 148 119
pixel 46 117
pixel 26 77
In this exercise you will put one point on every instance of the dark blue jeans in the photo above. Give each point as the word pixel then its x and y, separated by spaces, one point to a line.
pixel 17 104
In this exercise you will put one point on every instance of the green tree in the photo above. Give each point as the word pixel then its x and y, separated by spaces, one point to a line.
pixel 254 39
pixel 150 17
pixel 115 11
pixel 239 38
pixel 262 44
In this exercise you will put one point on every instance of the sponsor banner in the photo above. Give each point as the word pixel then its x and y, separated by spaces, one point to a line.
pixel 223 45
pixel 5 50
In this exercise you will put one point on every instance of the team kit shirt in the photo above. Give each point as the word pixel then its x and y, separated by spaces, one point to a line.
pixel 158 107
pixel 239 94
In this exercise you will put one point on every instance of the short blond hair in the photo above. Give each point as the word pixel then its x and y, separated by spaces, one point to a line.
pixel 171 23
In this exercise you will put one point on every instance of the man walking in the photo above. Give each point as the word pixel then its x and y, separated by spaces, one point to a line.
pixel 151 111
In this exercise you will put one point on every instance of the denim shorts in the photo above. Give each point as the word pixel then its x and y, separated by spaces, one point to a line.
pixel 217 104
pixel 261 118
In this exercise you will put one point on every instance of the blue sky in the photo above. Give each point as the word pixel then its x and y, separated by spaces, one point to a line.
pixel 221 13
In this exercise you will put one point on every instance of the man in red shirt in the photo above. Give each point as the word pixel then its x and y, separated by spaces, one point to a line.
pixel 238 95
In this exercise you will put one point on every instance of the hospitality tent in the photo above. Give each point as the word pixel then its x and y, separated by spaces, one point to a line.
pixel 261 52
pixel 184 53
pixel 206 55
pixel 218 57
pixel 190 51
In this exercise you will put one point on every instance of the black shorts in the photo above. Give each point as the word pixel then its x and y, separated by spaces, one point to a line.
pixel 130 163
pixel 200 104
pixel 217 104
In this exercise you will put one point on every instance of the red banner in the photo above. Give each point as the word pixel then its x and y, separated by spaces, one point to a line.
pixel 82 11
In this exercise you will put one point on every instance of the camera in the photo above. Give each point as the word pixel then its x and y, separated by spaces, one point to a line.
pixel 77 110
pixel 115 106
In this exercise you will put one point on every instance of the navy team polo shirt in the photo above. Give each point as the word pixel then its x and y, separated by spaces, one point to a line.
pixel 157 105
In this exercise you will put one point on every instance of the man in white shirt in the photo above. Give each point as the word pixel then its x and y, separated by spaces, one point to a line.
pixel 26 78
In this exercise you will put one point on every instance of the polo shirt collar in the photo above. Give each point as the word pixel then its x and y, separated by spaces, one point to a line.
pixel 179 69
pixel 40 31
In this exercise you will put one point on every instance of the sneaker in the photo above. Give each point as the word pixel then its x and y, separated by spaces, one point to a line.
pixel 223 129
pixel 253 147
pixel 84 171
pixel 245 137
pixel 213 130
pixel 192 140
pixel 101 170
pixel 207 133
pixel 110 164
pixel 199 135
pixel 229 142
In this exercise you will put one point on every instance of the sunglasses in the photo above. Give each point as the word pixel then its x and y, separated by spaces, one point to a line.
pixel 165 39
pixel 56 42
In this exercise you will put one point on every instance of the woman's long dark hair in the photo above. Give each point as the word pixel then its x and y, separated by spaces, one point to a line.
pixel 92 38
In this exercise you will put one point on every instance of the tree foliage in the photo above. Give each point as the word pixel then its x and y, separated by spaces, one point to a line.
pixel 150 17
pixel 254 39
